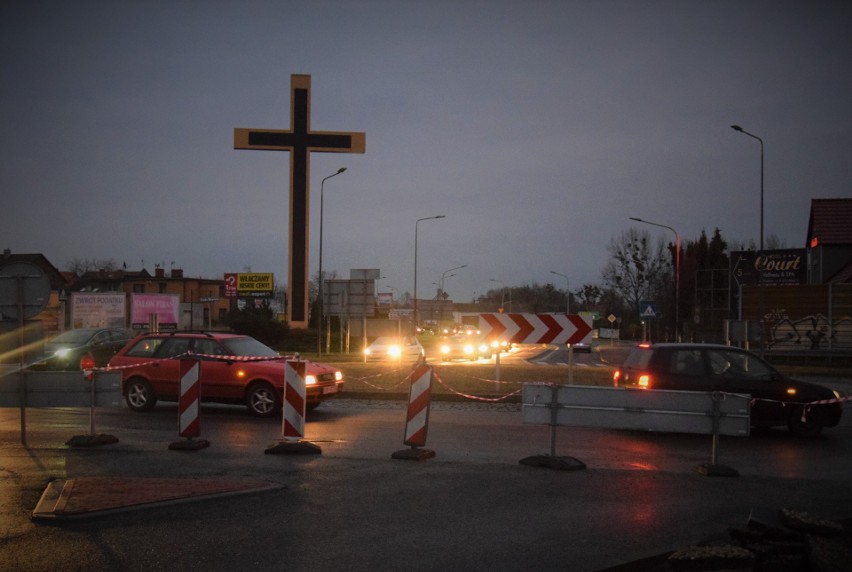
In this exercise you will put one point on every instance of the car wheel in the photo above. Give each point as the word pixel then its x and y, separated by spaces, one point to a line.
pixel 262 400
pixel 139 395
pixel 804 423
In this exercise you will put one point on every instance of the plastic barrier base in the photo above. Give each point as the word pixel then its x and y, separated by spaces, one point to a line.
pixel 413 454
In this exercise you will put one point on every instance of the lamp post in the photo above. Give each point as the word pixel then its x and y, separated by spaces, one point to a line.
pixel 416 223
pixel 321 301
pixel 502 292
pixel 444 275
pixel 677 270
pixel 567 292
pixel 752 135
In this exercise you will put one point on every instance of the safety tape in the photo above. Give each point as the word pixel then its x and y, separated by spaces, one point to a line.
pixel 808 403
pixel 495 381
pixel 474 397
pixel 195 355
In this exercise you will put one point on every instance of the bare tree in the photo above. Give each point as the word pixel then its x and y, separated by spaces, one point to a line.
pixel 636 269
pixel 80 266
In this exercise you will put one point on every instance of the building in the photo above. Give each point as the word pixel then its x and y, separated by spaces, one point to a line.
pixel 829 241
pixel 202 300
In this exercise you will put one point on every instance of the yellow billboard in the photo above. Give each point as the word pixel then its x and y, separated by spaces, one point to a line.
pixel 256 285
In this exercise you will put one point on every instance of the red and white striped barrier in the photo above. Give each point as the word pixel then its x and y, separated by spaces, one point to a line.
pixel 189 424
pixel 295 393
pixel 293 418
pixel 417 418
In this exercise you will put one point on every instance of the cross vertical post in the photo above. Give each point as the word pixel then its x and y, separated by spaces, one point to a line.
pixel 300 141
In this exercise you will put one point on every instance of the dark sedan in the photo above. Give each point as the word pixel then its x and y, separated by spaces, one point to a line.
pixel 805 408
pixel 83 348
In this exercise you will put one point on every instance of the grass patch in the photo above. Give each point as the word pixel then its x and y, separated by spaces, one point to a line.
pixel 462 378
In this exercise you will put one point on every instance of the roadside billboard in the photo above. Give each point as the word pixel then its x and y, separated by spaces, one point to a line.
pixel 769 268
pixel 249 285
pixel 98 310
pixel 165 306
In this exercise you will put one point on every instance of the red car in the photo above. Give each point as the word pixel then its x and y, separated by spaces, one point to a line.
pixel 150 373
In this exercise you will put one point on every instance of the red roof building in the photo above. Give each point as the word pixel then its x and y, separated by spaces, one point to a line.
pixel 829 241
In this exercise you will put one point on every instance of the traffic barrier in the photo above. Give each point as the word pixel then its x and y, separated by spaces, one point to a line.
pixel 25 389
pixel 293 422
pixel 189 423
pixel 703 412
pixel 417 418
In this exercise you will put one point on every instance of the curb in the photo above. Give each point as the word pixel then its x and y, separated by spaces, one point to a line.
pixel 66 499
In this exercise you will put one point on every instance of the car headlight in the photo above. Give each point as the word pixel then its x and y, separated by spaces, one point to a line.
pixel 63 353
pixel 310 380
pixel 338 376
pixel 366 351
pixel 445 349
pixel 394 351
pixel 468 349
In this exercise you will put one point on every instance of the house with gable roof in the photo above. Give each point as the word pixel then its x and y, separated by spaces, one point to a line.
pixel 829 241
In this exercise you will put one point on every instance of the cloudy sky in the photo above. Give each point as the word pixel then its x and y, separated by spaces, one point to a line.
pixel 536 127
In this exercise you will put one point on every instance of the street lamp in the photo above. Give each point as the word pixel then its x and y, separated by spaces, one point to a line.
pixel 744 132
pixel 444 275
pixel 567 292
pixel 502 292
pixel 321 301
pixel 416 223
pixel 677 270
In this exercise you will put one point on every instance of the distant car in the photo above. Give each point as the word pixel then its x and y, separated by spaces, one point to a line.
pixel 462 346
pixel 83 348
pixel 150 372
pixel 777 400
pixel 406 348
pixel 582 347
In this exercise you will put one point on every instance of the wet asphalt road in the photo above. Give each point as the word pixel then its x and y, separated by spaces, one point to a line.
pixel 473 506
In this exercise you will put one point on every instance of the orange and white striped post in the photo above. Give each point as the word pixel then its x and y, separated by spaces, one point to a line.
pixel 293 418
pixel 417 418
pixel 189 424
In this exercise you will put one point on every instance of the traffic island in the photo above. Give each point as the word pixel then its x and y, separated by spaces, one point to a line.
pixel 299 447
pixel 551 462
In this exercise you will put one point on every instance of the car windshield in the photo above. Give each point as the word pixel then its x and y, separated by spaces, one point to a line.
pixel 76 337
pixel 638 358
pixel 248 347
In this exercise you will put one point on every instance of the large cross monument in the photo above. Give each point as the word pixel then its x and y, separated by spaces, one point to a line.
pixel 299 140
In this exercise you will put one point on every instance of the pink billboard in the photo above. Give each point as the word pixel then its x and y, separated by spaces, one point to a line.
pixel 165 306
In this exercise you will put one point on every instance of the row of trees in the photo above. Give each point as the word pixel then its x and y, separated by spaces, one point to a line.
pixel 640 269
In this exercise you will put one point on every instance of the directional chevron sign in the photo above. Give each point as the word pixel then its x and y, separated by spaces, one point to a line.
pixel 536 328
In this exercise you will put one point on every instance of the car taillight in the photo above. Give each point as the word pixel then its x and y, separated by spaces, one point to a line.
pixel 87 362
pixel 644 381
pixel 615 377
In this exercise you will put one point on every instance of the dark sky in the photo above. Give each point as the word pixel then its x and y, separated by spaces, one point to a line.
pixel 536 128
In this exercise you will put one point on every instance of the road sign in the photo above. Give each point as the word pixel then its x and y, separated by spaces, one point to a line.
pixel 536 328
pixel 648 310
